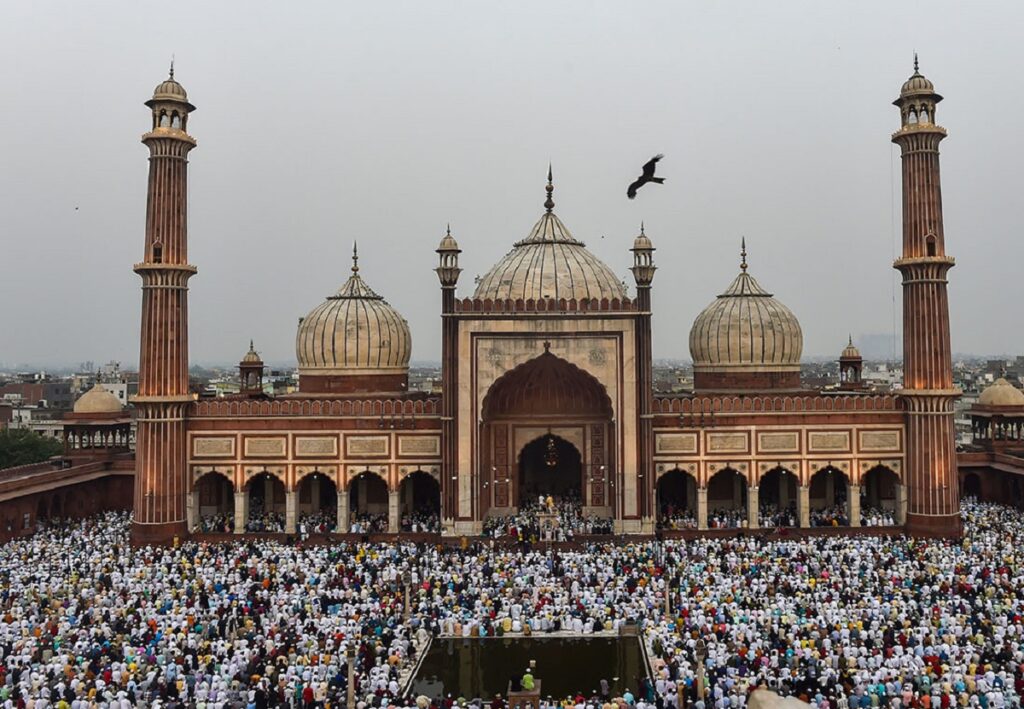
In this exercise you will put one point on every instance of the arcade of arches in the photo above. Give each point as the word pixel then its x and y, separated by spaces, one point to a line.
pixel 264 497
pixel 546 430
pixel 828 500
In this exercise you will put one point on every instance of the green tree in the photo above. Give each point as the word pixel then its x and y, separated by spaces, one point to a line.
pixel 20 446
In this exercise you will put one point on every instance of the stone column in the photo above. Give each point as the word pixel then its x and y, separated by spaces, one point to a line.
pixel 393 505
pixel 344 524
pixel 192 511
pixel 853 504
pixel 291 509
pixel 901 504
pixel 241 511
pixel 803 504
pixel 702 508
pixel 753 507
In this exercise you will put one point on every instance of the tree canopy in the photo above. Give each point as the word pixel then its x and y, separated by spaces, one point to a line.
pixel 20 446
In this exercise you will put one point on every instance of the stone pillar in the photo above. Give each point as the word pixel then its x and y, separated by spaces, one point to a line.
pixel 393 516
pixel 803 504
pixel 853 504
pixel 241 511
pixel 753 507
pixel 344 524
pixel 192 512
pixel 702 508
pixel 291 509
pixel 901 504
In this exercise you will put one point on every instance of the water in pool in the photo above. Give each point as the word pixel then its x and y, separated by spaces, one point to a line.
pixel 482 667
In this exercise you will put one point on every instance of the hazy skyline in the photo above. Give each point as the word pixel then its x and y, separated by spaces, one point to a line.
pixel 325 123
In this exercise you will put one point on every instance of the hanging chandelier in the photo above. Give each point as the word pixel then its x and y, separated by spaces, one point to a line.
pixel 551 454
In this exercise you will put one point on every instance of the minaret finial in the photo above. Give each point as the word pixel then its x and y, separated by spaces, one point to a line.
pixel 448 229
pixel 850 342
pixel 915 61
pixel 549 203
pixel 172 67
pixel 743 254
pixel 642 229
pixel 251 348
pixel 355 257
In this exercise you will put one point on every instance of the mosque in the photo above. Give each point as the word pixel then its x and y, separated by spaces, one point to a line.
pixel 546 388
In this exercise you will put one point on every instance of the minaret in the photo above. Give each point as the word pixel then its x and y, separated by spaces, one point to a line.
pixel 161 478
pixel 933 498
pixel 643 273
pixel 448 274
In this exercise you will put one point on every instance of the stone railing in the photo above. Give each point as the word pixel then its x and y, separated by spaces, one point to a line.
pixel 784 403
pixel 317 407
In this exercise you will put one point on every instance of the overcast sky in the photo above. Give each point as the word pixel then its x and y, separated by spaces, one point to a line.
pixel 323 123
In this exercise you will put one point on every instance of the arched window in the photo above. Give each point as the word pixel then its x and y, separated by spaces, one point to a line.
pixel 912 117
pixel 175 120
pixel 164 119
pixel 924 115
pixel 930 247
pixel 158 253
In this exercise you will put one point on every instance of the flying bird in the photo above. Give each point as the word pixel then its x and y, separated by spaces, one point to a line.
pixel 647 176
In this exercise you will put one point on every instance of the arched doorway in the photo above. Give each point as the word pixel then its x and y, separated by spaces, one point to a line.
pixel 368 502
pixel 318 504
pixel 550 466
pixel 727 499
pixel 776 499
pixel 216 503
pixel 542 410
pixel 677 500
pixel 972 486
pixel 878 497
pixel 42 511
pixel 828 494
pixel 420 496
pixel 266 504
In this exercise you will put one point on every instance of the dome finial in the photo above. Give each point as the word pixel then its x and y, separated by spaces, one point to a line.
pixel 549 203
pixel 850 342
pixel 251 345
pixel 915 62
pixel 743 254
pixel 171 72
pixel 355 257
pixel 642 229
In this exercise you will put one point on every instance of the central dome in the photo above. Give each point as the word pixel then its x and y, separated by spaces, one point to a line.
pixel 549 263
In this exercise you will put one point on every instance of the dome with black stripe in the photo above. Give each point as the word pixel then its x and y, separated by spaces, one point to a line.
pixel 746 339
pixel 354 331
pixel 549 263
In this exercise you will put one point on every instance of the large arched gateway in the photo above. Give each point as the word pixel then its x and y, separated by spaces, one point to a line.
pixel 546 430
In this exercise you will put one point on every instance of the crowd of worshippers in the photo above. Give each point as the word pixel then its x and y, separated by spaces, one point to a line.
pixel 841 622
pixel 319 522
pixel 547 519
pixel 425 519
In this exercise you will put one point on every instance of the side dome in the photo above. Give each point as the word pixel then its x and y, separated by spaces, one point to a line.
pixel 98 400
pixel 1001 393
pixel 353 342
pixel 549 263
pixel 746 339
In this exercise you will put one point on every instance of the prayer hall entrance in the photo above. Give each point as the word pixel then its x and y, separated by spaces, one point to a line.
pixel 546 429
pixel 550 466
